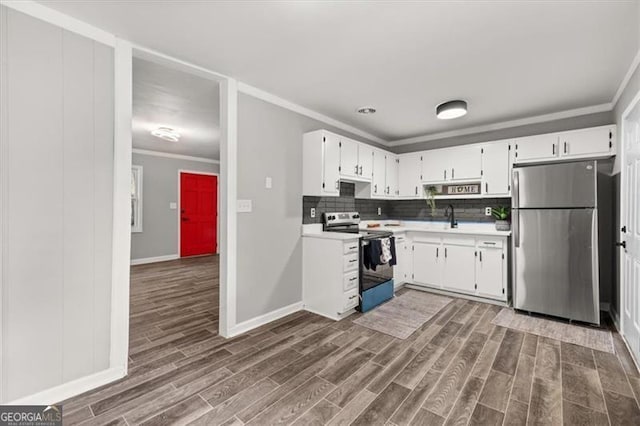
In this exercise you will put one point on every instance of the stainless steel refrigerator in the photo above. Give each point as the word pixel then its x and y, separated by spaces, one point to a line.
pixel 555 240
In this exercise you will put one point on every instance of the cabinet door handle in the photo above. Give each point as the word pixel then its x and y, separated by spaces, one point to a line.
pixel 353 247
pixel 416 190
pixel 353 260
pixel 486 187
pixel 453 173
pixel 553 149
pixel 489 242
pixel 437 251
pixel 445 174
pixel 353 278
pixel 375 188
pixel 445 252
pixel 360 170
pixel 565 147
pixel 356 169
pixel 338 184
pixel 387 189
pixel 480 255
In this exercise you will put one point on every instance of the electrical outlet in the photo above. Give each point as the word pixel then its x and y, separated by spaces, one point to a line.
pixel 487 211
pixel 379 211
pixel 313 212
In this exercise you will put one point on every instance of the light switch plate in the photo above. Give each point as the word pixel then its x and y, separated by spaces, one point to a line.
pixel 487 211
pixel 313 212
pixel 268 183
pixel 244 206
pixel 173 206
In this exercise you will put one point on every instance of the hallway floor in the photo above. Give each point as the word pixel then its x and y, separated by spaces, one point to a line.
pixel 458 368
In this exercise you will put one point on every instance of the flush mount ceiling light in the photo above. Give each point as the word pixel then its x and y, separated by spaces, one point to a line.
pixel 366 110
pixel 451 109
pixel 166 133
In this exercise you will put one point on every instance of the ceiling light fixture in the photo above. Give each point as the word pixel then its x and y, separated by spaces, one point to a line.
pixel 451 109
pixel 366 110
pixel 166 133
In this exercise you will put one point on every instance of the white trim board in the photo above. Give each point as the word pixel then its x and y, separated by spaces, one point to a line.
pixel 256 322
pixel 67 390
pixel 273 99
pixel 175 156
pixel 155 259
pixel 59 19
pixel 505 124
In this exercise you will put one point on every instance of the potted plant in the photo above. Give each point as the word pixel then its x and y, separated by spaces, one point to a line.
pixel 501 214
pixel 431 193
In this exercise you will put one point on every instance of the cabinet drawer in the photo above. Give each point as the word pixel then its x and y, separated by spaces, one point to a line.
pixel 351 247
pixel 400 239
pixel 349 300
pixel 490 243
pixel 427 238
pixel 350 281
pixel 459 241
pixel 351 262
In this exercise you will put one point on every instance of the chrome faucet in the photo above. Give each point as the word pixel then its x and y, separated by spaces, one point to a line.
pixel 449 214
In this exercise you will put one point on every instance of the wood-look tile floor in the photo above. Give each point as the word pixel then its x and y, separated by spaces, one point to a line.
pixel 458 368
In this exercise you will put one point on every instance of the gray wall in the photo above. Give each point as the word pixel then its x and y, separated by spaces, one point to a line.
pixel 269 243
pixel 159 236
pixel 590 120
pixel 57 203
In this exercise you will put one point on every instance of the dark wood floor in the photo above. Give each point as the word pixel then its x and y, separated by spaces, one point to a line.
pixel 304 369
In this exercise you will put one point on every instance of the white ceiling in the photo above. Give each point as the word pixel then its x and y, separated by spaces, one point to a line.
pixel 509 60
pixel 164 97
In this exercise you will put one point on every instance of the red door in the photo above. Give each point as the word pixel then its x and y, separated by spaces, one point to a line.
pixel 198 214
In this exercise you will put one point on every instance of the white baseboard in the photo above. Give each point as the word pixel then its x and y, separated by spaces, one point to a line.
pixel 70 389
pixel 146 260
pixel 256 322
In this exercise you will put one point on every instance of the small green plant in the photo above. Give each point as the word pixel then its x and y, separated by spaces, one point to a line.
pixel 500 213
pixel 431 193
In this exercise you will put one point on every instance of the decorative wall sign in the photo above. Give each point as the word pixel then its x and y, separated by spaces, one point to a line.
pixel 462 189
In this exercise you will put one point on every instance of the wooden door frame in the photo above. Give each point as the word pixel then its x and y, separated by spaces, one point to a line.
pixel 635 102
pixel 179 198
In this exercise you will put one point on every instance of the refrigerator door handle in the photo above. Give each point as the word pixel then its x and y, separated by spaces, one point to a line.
pixel 515 211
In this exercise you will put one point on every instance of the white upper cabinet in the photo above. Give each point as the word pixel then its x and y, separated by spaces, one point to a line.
pixel 331 174
pixel 391 175
pixel 462 163
pixel 378 183
pixel 465 162
pixel 349 166
pixel 409 179
pixel 434 166
pixel 365 161
pixel 320 164
pixel 598 141
pixel 496 169
pixel 537 148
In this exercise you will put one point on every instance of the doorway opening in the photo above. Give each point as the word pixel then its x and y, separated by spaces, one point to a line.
pixel 174 285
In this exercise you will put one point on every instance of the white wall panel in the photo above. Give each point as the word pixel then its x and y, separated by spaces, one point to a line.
pixel 59 188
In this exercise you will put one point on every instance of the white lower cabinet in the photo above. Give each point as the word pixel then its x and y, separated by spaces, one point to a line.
pixel 402 270
pixel 427 268
pixel 458 256
pixel 474 265
pixel 330 276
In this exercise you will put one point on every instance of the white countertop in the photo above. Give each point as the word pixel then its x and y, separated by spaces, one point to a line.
pixel 315 231
pixel 465 228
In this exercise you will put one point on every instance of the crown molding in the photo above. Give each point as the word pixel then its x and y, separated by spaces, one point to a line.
pixel 505 124
pixel 175 156
pixel 627 77
pixel 273 99
pixel 59 19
